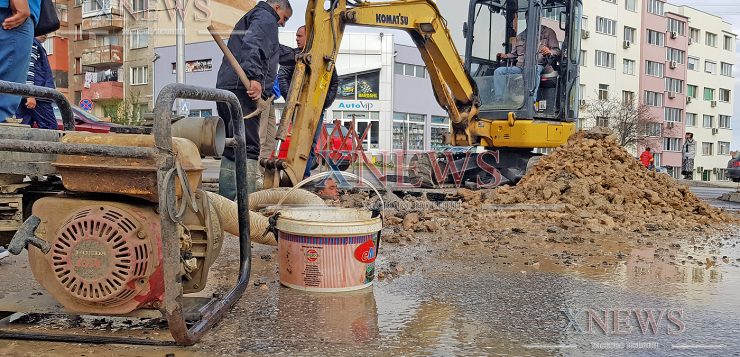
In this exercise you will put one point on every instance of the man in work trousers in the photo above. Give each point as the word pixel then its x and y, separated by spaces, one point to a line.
pixel 286 75
pixel 33 110
pixel 688 153
pixel 254 43
pixel 268 130
pixel 18 19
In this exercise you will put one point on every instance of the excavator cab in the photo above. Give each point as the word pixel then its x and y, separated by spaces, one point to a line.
pixel 523 56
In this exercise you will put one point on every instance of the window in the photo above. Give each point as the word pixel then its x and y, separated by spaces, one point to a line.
pixel 708 122
pixel 655 69
pixel 78 67
pixel 707 149
pixel 398 69
pixel 673 85
pixel 48 45
pixel 679 27
pixel 721 174
pixel 551 14
pixel 605 59
pixel 673 115
pixel 139 75
pixel 602 122
pixel 655 7
pixel 139 5
pixel 656 38
pixel 628 98
pixel 653 99
pixel 724 121
pixel 408 131
pixel 196 113
pixel 673 54
pixel 671 144
pixel 630 5
pixel 139 38
pixel 710 39
pixel 362 86
pixel 724 95
pixel 693 64
pixel 723 148
pixel 603 92
pixel 62 12
pixel 710 67
pixel 421 72
pixel 691 91
pixel 694 35
pixel 410 70
pixel 78 32
pixel 690 119
pixel 658 159
pixel 606 26
pixel 728 43
pixel 629 34
pixel 725 69
pixel 78 2
pixel 654 129
pixel 583 57
pixel 629 66
pixel 708 94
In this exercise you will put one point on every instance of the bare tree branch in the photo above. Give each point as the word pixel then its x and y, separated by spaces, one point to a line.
pixel 631 123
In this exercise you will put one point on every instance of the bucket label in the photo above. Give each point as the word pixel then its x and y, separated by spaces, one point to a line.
pixel 366 252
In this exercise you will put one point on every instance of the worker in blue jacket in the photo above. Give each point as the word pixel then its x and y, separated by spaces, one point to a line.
pixel 38 111
pixel 18 19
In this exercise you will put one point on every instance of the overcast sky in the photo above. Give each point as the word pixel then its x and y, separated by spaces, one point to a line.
pixel 729 10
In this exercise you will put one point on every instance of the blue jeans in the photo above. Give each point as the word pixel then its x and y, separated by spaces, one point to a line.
pixel 311 154
pixel 43 115
pixel 15 52
pixel 499 79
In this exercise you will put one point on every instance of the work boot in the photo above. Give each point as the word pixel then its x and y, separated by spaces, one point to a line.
pixel 4 253
pixel 252 169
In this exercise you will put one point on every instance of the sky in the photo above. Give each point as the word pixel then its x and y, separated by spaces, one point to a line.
pixel 729 10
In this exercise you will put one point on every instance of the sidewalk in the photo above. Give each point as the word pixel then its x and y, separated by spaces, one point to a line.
pixel 713 184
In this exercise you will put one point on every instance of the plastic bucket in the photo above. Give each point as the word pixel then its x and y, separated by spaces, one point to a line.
pixel 327 249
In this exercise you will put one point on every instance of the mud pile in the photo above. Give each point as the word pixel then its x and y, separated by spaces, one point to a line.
pixel 603 186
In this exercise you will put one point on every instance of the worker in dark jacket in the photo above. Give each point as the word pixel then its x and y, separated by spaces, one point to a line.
pixel 32 110
pixel 254 43
pixel 285 75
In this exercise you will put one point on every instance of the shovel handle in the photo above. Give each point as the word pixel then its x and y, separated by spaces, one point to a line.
pixel 229 57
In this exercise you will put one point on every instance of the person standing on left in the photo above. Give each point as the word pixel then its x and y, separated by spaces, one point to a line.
pixel 18 19
pixel 32 110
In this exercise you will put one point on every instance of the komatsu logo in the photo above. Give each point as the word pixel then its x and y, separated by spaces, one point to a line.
pixel 392 19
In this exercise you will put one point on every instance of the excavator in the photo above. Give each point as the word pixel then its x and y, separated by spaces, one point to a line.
pixel 490 98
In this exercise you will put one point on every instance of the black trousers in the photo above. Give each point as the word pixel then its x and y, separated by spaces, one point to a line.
pixel 251 126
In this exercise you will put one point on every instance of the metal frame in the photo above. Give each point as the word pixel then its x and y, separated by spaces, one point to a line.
pixel 172 306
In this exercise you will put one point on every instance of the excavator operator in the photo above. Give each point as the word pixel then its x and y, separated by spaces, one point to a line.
pixel 549 47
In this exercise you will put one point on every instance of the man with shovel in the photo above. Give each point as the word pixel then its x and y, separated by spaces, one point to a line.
pixel 254 43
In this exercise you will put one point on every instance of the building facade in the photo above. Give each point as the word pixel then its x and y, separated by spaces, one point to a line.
pixel 383 86
pixel 104 50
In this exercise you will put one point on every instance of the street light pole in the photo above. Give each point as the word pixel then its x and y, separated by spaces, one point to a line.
pixel 180 53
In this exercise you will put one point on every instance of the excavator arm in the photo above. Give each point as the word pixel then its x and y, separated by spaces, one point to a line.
pixel 453 88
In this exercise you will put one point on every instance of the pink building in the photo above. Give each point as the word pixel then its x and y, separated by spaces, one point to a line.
pixel 663 79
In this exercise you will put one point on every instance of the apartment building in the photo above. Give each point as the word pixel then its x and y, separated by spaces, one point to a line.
pixel 710 85
pixel 104 50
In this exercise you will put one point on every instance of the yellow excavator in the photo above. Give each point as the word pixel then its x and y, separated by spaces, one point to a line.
pixel 505 95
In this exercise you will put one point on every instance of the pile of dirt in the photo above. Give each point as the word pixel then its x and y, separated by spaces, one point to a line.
pixel 603 186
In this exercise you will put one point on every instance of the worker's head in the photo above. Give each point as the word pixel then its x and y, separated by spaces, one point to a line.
pixel 300 37
pixel 689 135
pixel 647 149
pixel 41 38
pixel 328 189
pixel 283 9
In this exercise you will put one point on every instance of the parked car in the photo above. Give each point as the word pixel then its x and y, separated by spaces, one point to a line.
pixel 733 168
pixel 84 121
pixel 341 148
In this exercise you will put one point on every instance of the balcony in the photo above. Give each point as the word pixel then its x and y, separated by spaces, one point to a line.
pixel 103 22
pixel 104 91
pixel 110 55
pixel 92 8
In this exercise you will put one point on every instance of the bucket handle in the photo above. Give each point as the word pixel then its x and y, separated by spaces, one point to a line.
pixel 325 174
pixel 273 219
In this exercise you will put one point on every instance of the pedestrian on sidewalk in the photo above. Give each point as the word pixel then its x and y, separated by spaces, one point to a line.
pixel 32 110
pixel 646 158
pixel 688 155
pixel 284 78
pixel 254 43
pixel 18 19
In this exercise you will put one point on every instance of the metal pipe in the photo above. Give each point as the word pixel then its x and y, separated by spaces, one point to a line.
pixel 180 50
pixel 25 90
pixel 47 147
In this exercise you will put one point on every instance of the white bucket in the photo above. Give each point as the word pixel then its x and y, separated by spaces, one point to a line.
pixel 327 249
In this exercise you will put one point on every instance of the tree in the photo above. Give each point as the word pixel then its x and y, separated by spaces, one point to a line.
pixel 631 123
pixel 127 111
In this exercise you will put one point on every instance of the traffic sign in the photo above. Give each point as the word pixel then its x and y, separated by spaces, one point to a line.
pixel 86 104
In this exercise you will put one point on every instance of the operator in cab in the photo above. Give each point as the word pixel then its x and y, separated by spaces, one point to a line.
pixel 548 46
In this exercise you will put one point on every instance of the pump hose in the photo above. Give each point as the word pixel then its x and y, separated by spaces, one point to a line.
pixel 258 224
